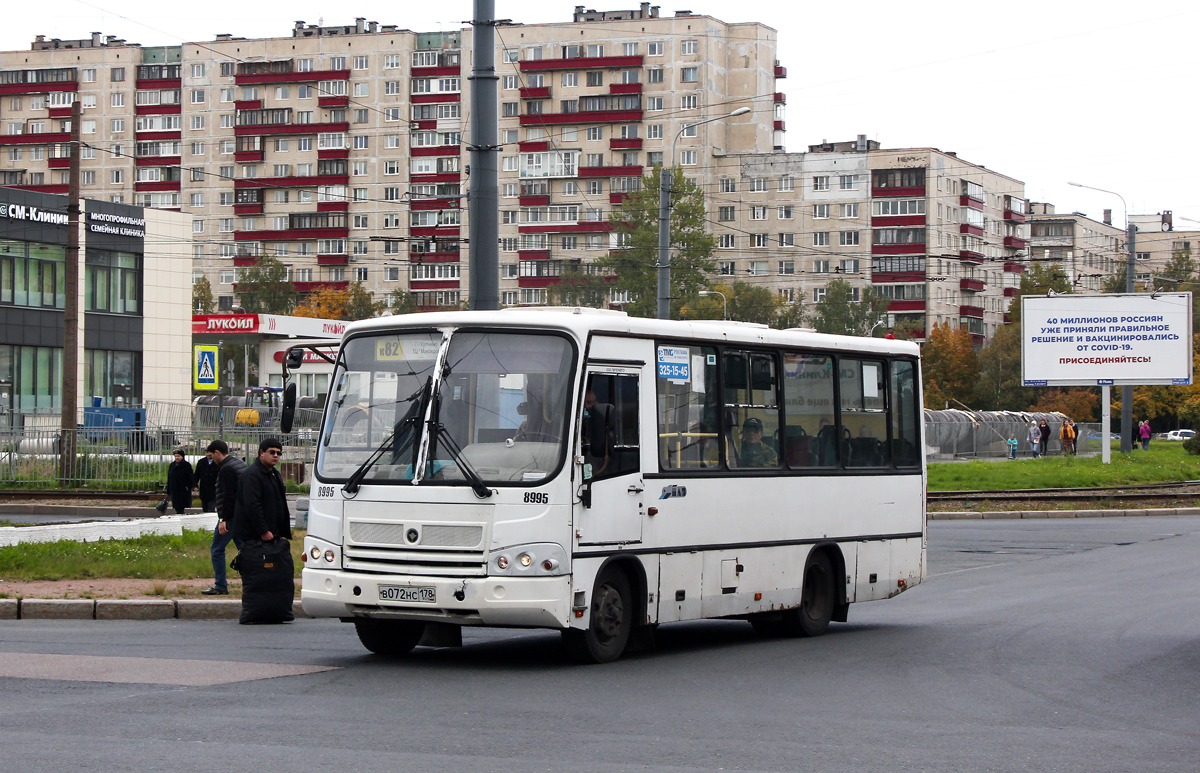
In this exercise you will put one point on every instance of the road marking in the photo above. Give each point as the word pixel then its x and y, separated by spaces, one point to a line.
pixel 126 670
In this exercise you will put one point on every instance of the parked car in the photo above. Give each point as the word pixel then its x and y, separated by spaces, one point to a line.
pixel 1099 436
pixel 1181 434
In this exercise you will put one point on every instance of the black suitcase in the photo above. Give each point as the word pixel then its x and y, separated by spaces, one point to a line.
pixel 267 585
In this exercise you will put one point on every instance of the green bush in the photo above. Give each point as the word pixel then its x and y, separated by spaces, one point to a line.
pixel 1192 445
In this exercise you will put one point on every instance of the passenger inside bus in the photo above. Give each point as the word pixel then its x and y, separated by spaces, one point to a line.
pixel 754 452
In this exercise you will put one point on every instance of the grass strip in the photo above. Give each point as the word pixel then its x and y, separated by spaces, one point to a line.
pixel 1163 462
pixel 149 557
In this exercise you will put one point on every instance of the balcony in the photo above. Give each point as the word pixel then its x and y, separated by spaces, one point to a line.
pixel 333 101
pixel 779 126
pixel 248 156
pixel 970 285
pixel 1013 216
pixel 312 76
pixel 333 260
pixel 618 198
pixel 970 311
pixel 152 136
pixel 45 138
pixel 533 254
pixel 428 99
pixel 333 153
pixel 625 88
pixel 434 72
pixel 58 163
pixel 169 185
pixel 434 257
pixel 437 150
pixel 1011 292
pixel 63 188
pixel 534 201
pixel 539 146
pixel 967 228
pixel 433 204
pixel 247 104
pixel 538 281
pixel 610 171
pixel 916 248
pixel 248 208
pixel 895 193
pixel 971 256
pixel 780 71
pixel 158 110
pixel 434 284
pixel 895 277
pixel 582 117
pixel 58 112
pixel 780 98
pixel 308 287
pixel 158 161
pixel 915 305
pixel 970 201
pixel 625 144
pixel 435 230
pixel 589 226
pixel 1014 242
pixel 14 89
pixel 285 234
pixel 294 181
pixel 333 206
pixel 1013 266
pixel 535 92
pixel 897 220
pixel 582 63
pixel 290 128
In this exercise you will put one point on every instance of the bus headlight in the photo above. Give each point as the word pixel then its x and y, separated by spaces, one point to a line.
pixel 319 554
pixel 542 559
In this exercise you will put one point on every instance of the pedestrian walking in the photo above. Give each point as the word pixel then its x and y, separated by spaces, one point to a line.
pixel 262 521
pixel 229 471
pixel 1066 434
pixel 1144 432
pixel 206 482
pixel 180 481
pixel 1044 442
pixel 1035 439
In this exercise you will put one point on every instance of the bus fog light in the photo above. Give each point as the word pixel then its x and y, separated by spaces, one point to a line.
pixel 329 556
pixel 549 565
pixel 502 562
pixel 315 553
pixel 525 559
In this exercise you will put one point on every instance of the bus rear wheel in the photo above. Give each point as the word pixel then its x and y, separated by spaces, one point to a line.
pixel 818 597
pixel 608 630
pixel 389 638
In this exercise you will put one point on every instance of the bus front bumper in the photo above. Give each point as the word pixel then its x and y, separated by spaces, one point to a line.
pixel 525 602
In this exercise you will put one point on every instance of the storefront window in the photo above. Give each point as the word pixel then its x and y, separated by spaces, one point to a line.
pixel 36 375
pixel 114 377
pixel 31 274
pixel 114 282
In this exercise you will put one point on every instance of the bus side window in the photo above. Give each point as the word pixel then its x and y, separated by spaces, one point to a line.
pixel 688 410
pixel 864 413
pixel 609 433
pixel 906 434
pixel 810 429
pixel 751 410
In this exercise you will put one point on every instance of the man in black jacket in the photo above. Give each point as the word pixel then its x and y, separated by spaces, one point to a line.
pixel 262 510
pixel 229 473
pixel 206 482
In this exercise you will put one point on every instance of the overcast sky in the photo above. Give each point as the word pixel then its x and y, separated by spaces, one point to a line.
pixel 1094 92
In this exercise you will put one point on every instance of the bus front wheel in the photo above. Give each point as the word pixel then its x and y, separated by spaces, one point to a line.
pixel 389 638
pixel 608 630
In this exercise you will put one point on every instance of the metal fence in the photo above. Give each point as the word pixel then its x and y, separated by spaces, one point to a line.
pixel 946 441
pixel 133 459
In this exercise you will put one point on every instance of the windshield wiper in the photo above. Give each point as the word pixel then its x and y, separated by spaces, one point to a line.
pixel 406 424
pixel 439 433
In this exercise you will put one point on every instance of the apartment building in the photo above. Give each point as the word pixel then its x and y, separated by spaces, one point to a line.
pixel 1157 243
pixel 1088 250
pixel 340 149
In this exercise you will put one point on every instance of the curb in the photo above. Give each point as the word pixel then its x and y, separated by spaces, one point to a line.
pixel 127 609
pixel 1023 514
pixel 85 511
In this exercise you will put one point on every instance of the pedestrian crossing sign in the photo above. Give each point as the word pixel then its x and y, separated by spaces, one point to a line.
pixel 204 368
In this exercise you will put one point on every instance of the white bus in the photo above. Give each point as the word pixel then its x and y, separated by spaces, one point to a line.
pixel 601 474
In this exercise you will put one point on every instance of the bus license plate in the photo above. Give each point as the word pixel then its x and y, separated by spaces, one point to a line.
pixel 419 595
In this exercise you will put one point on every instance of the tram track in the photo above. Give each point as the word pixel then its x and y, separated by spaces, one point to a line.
pixel 1139 491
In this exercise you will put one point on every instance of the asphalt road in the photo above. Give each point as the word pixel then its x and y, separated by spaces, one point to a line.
pixel 1069 645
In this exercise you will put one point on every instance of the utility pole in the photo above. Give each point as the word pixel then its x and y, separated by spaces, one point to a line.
pixel 1127 390
pixel 483 195
pixel 69 426
pixel 665 176
pixel 220 395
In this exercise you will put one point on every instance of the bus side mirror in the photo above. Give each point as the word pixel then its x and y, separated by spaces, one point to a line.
pixel 295 358
pixel 288 414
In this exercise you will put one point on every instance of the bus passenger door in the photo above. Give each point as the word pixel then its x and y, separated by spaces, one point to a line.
pixel 610 454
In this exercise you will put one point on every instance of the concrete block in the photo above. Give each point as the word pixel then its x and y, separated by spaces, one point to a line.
pixel 135 609
pixel 167 525
pixel 1161 511
pixel 208 609
pixel 58 609
pixel 1131 513
pixel 8 609
pixel 1043 514
pixel 1089 513
pixel 955 516
pixel 1187 511
pixel 39 533
pixel 199 522
pixel 9 536
pixel 1003 515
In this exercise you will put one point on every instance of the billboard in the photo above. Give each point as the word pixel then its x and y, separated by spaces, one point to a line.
pixel 204 368
pixel 1090 340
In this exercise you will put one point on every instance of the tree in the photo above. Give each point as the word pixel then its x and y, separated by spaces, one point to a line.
pixel 743 303
pixel 578 287
pixel 361 304
pixel 999 386
pixel 790 314
pixel 839 313
pixel 264 288
pixel 634 262
pixel 951 367
pixel 202 296
pixel 402 302
pixel 1080 403
pixel 323 303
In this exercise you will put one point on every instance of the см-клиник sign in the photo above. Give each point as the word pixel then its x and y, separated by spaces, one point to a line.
pixel 1085 340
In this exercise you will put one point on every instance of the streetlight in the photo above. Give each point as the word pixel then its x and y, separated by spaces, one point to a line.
pixel 724 302
pixel 664 216
pixel 1126 390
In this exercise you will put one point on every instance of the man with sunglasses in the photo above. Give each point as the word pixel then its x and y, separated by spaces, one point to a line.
pixel 262 510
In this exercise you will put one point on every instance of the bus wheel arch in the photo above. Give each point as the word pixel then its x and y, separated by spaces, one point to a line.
pixel 616 606
pixel 838 560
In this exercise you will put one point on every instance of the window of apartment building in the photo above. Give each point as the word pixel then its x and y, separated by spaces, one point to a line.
pixel 655 75
pixel 689 102
pixel 117 177
pixel 821 211
pixel 595 77
pixel 361 62
pixel 689 47
pixel 820 238
pixel 629 76
pixel 786 212
pixel 197 123
pixel 687 157
pixel 725 214
pixel 117 74
pixel 848 182
pixel 787 183
pixel 818 294
pixel 197 96
pixel 115 99
pixel 688 74
pixel 304 92
pixel 758 213
pixel 225 225
pixel 360 115
pixel 510 190
pixel 820 266
pixel 727 267
pixel 594 133
pixel 760 240
pixel 116 125
pixel 821 183
pixel 197 226
pixel 726 241
pixel 787 267
pixel 510 109
pixel 848 211
pixel 87 75
pixel 654 103
pixel 787 240
pixel 196 199
pixel 727 185
pixel 849 266
pixel 250 92
pixel 759 268
pixel 848 238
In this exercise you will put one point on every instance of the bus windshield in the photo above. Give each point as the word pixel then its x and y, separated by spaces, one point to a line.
pixel 499 407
